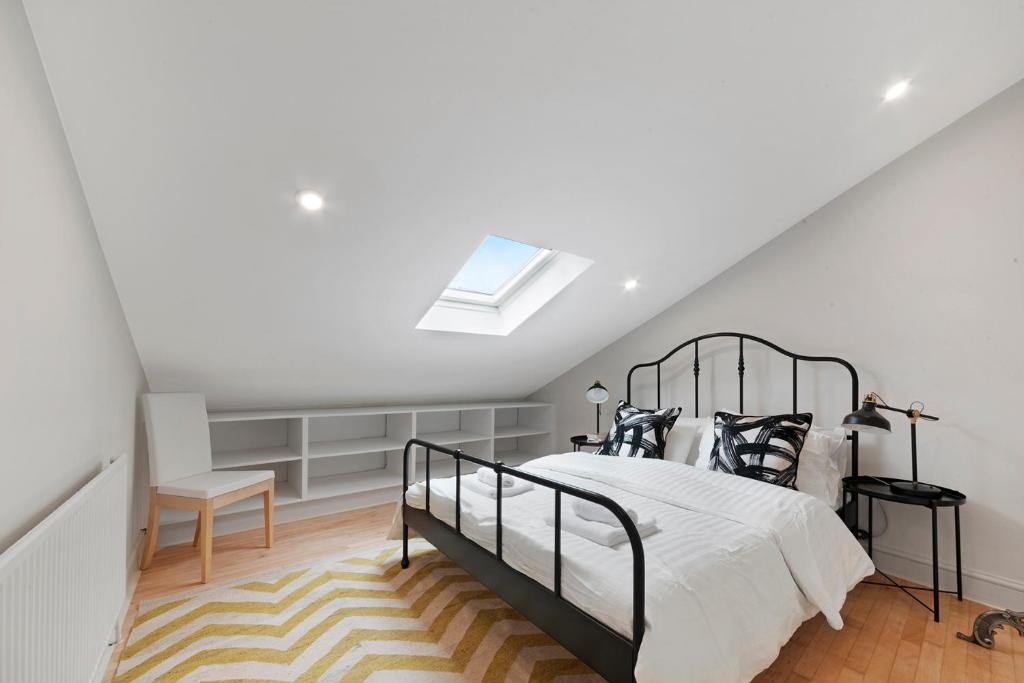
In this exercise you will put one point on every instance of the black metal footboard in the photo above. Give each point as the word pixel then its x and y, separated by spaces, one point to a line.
pixel 606 651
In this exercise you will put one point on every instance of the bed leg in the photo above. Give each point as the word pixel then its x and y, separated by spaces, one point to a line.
pixel 405 546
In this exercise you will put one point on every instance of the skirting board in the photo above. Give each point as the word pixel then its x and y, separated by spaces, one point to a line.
pixel 988 589
pixel 173 534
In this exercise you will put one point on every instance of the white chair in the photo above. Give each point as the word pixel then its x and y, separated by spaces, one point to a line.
pixel 181 473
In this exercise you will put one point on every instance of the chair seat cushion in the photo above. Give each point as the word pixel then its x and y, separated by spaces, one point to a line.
pixel 213 484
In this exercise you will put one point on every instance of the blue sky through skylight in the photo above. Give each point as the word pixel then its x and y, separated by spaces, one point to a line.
pixel 496 261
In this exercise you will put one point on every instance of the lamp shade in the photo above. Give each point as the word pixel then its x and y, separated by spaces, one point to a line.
pixel 867 419
pixel 597 393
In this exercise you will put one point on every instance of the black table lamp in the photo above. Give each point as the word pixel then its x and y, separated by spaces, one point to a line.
pixel 597 395
pixel 868 419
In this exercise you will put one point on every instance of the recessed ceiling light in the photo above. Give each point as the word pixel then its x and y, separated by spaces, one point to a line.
pixel 309 200
pixel 896 91
pixel 630 284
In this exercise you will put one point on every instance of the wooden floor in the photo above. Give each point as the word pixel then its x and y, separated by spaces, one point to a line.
pixel 887 637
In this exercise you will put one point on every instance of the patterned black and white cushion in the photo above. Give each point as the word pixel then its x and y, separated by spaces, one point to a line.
pixel 762 447
pixel 639 433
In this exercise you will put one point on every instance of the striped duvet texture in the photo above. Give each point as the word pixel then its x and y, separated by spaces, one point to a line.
pixel 737 566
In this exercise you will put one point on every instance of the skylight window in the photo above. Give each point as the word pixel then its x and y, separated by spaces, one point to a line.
pixel 495 271
pixel 502 284
pixel 496 261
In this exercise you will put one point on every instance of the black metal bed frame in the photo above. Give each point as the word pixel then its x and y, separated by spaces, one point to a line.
pixel 604 649
pixel 608 652
pixel 741 369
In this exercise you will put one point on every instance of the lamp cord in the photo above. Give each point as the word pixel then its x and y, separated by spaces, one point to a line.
pixel 881 508
pixel 881 400
pixel 885 519
pixel 910 408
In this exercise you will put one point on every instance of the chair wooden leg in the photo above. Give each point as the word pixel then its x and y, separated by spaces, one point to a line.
pixel 152 530
pixel 206 542
pixel 199 526
pixel 268 515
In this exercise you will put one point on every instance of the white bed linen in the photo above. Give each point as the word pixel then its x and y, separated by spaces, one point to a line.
pixel 737 566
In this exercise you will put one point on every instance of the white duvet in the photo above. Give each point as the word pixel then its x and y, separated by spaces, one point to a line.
pixel 737 566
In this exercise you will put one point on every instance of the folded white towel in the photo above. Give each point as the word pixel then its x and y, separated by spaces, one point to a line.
pixel 476 486
pixel 488 476
pixel 599 513
pixel 602 534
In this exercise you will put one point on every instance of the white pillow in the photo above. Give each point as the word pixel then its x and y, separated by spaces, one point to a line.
pixel 684 438
pixel 707 442
pixel 821 467
pixel 823 464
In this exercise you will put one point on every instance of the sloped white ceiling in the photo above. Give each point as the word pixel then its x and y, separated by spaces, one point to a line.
pixel 663 140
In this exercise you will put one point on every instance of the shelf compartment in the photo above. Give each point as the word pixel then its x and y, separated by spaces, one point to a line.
pixel 526 430
pixel 373 444
pixel 346 435
pixel 226 460
pixel 453 437
pixel 449 427
pixel 442 470
pixel 514 458
pixel 443 465
pixel 514 431
pixel 354 482
pixel 255 442
pixel 531 421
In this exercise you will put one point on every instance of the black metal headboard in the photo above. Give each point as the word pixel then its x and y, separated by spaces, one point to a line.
pixel 741 369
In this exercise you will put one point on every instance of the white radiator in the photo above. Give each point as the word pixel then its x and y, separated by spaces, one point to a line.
pixel 62 586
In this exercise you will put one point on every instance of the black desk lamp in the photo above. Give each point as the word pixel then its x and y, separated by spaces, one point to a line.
pixel 597 395
pixel 867 419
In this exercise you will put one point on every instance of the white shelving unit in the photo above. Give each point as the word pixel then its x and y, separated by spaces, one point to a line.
pixel 355 454
pixel 523 432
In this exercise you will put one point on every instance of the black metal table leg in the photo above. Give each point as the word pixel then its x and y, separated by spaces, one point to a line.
pixel 871 528
pixel 935 561
pixel 959 574
pixel 881 488
pixel 405 546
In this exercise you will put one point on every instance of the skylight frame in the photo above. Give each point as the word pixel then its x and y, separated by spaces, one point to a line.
pixel 537 283
pixel 465 298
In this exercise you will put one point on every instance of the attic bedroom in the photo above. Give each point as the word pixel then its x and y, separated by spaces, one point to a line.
pixel 531 342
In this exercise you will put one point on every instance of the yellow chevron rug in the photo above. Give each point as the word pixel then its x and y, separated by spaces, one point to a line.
pixel 356 618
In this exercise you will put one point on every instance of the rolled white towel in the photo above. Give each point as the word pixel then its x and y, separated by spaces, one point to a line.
pixel 476 486
pixel 599 513
pixel 488 476
pixel 596 532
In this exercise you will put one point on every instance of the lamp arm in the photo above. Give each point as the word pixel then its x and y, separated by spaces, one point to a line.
pixel 908 412
pixel 911 412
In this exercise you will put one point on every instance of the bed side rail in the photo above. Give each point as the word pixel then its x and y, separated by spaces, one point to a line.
pixel 500 469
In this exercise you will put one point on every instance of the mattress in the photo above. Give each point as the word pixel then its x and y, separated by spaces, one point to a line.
pixel 736 567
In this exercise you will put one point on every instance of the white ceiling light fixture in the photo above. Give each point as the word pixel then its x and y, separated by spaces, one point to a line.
pixel 310 200
pixel 896 91
pixel 630 285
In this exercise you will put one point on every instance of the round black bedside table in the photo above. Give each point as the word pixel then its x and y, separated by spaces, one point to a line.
pixel 878 487
pixel 583 441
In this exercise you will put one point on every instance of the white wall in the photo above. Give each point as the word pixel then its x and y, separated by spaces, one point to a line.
pixel 916 276
pixel 69 373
